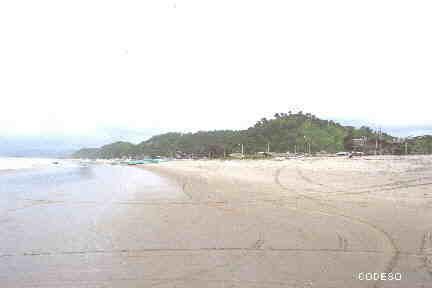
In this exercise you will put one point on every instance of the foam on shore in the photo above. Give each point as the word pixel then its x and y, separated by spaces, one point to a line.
pixel 12 163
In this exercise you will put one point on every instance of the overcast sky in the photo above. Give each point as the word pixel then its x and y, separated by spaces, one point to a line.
pixel 78 67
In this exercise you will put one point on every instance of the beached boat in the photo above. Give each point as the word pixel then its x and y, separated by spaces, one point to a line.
pixel 139 162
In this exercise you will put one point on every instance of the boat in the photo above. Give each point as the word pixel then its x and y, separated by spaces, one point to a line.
pixel 139 162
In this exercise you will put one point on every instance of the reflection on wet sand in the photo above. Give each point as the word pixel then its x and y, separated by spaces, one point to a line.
pixel 301 223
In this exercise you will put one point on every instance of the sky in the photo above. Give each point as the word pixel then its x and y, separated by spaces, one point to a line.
pixel 107 70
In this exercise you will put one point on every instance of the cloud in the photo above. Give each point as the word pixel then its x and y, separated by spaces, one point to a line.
pixel 210 65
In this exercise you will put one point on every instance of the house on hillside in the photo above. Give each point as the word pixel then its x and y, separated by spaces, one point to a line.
pixel 376 146
pixel 359 143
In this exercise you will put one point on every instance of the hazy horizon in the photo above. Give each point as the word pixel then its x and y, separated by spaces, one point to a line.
pixel 64 144
pixel 88 73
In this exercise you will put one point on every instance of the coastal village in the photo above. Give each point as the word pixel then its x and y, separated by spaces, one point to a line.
pixel 285 136
pixel 363 146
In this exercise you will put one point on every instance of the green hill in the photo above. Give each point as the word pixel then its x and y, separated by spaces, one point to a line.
pixel 284 132
pixel 86 153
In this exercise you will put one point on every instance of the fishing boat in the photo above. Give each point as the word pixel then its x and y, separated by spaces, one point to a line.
pixel 139 162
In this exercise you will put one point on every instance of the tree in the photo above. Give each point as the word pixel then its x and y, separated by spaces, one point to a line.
pixel 348 141
pixel 283 132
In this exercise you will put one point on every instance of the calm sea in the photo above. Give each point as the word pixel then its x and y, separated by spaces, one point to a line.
pixel 67 209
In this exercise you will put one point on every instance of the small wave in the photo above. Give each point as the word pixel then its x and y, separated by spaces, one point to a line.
pixel 11 163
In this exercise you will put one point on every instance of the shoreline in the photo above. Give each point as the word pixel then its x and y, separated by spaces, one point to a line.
pixel 336 204
pixel 242 223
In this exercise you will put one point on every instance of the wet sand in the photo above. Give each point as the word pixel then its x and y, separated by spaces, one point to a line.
pixel 293 223
pixel 305 222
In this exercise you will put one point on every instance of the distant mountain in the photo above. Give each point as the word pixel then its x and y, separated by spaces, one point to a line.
pixel 38 153
pixel 34 147
pixel 64 144
pixel 86 153
pixel 285 132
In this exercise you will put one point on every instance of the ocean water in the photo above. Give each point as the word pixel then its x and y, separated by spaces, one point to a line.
pixel 25 182
pixel 53 217
pixel 11 163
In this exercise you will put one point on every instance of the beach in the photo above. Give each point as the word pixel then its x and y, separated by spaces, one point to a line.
pixel 306 222
pixel 310 222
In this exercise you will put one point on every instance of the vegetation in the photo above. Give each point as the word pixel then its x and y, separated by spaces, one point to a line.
pixel 421 145
pixel 117 150
pixel 86 153
pixel 285 132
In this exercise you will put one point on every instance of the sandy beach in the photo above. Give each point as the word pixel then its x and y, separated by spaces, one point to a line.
pixel 309 222
pixel 299 223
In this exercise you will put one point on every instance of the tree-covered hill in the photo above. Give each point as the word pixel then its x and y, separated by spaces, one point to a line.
pixel 86 153
pixel 284 132
pixel 117 150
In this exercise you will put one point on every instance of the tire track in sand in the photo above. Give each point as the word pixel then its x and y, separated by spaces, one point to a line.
pixel 186 184
pixel 395 251
pixel 390 186
pixel 426 251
